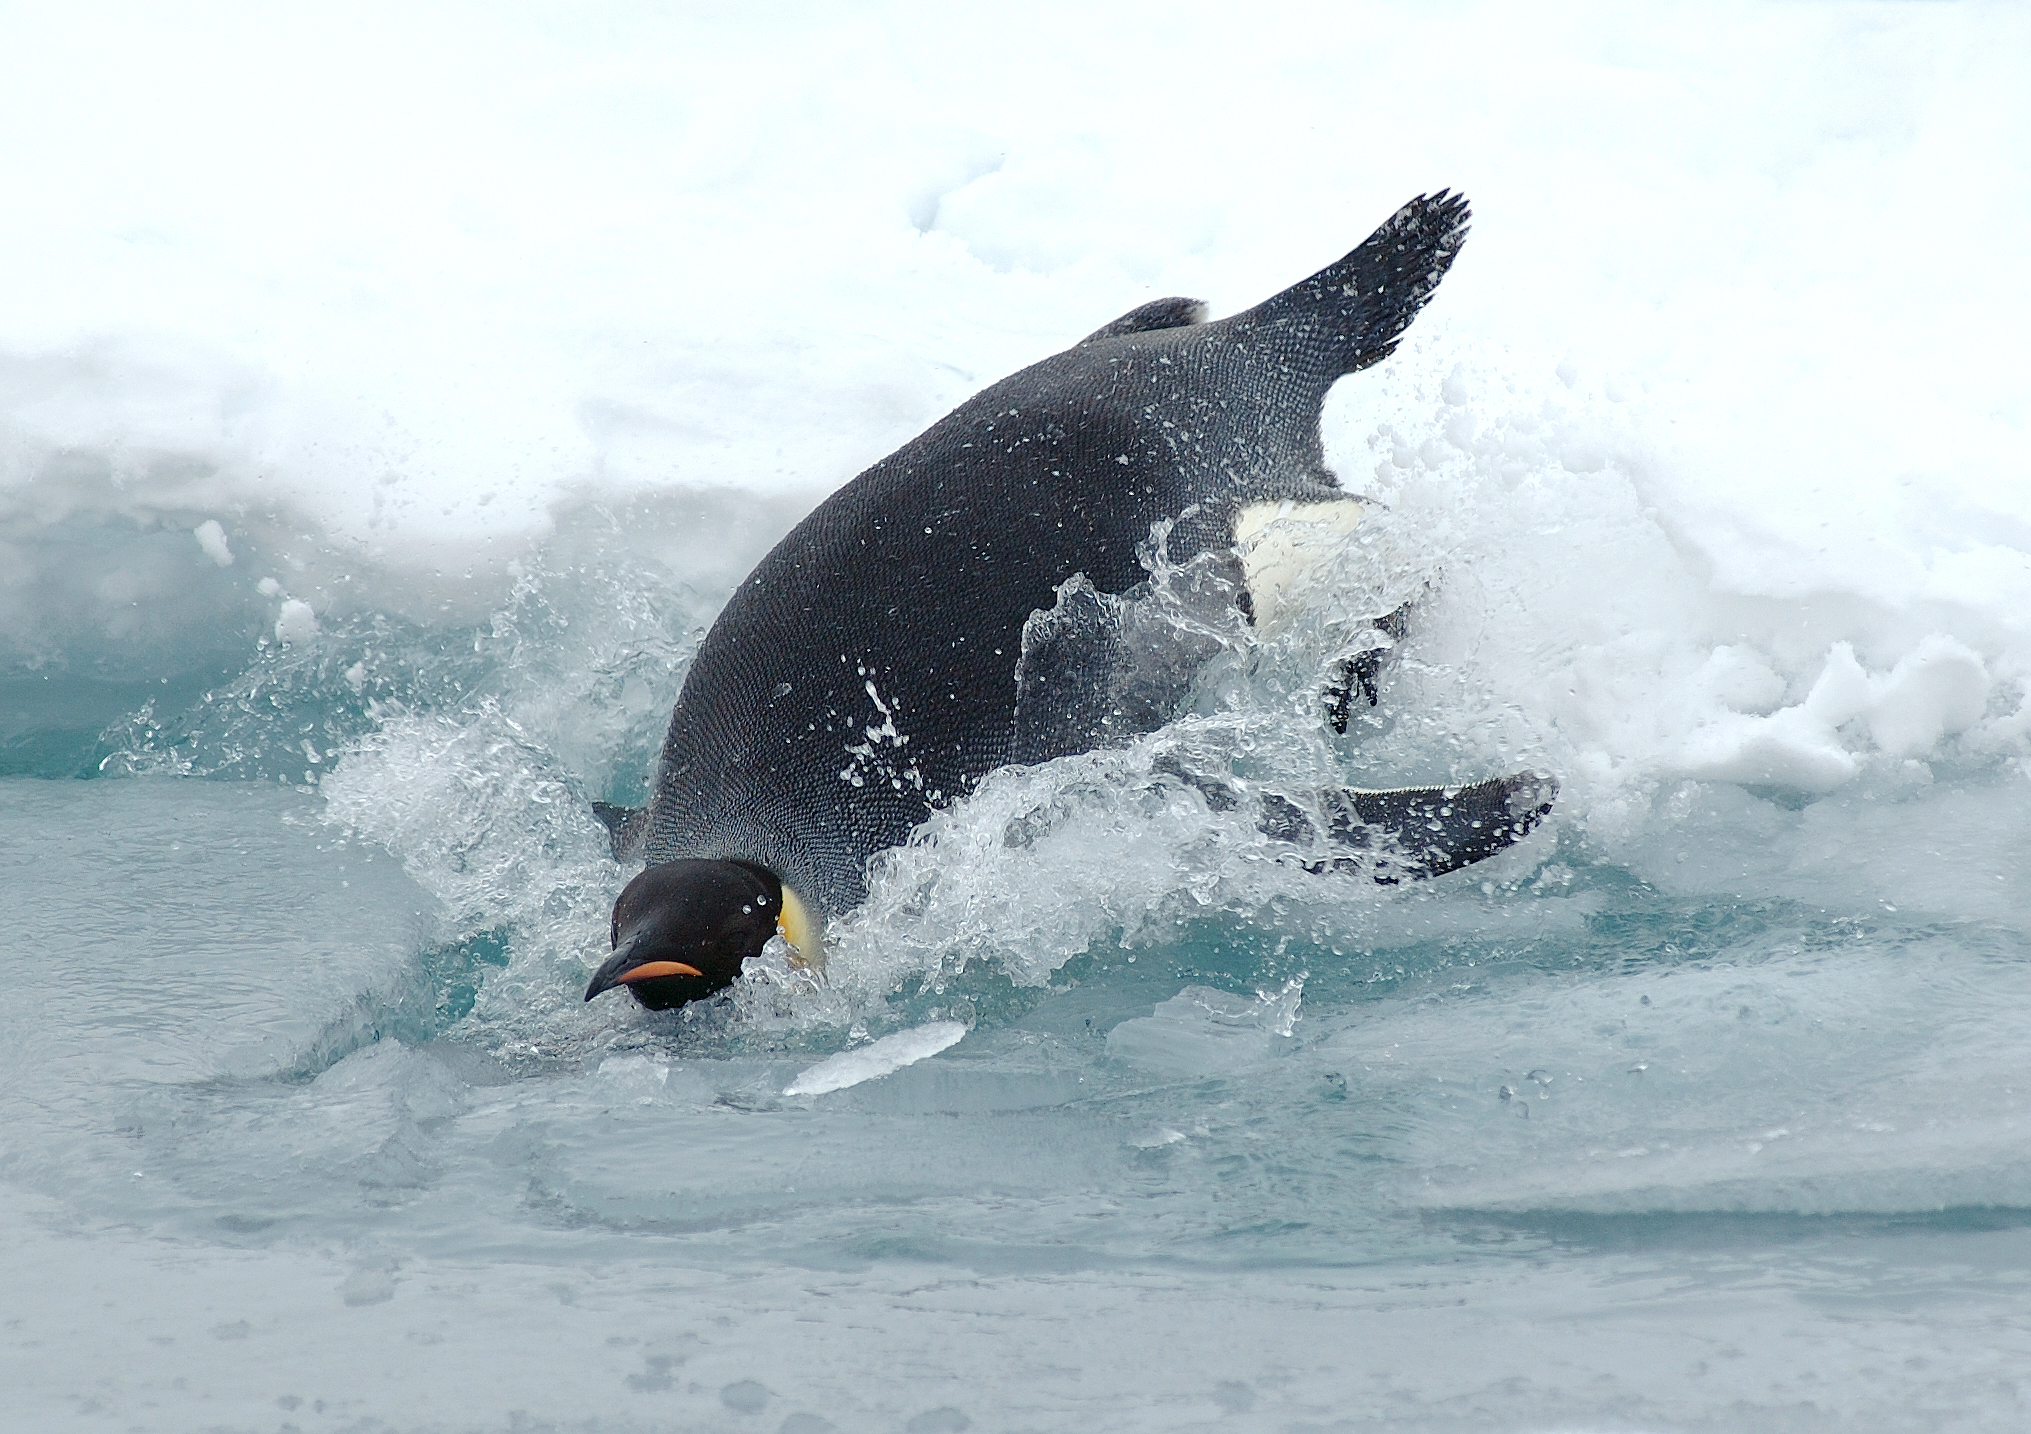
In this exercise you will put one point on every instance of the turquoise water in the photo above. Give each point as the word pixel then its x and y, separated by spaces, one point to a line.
pixel 1720 1127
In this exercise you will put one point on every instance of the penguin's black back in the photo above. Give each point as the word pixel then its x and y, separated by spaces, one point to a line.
pixel 865 672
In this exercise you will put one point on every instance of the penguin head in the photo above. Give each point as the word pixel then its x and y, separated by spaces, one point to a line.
pixel 682 928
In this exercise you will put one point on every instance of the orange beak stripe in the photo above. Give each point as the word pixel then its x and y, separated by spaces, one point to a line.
pixel 649 969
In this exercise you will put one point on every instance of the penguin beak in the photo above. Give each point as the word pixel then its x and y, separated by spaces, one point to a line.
pixel 626 966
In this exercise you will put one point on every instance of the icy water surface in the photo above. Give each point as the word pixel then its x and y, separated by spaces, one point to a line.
pixel 390 397
pixel 1710 1116
pixel 1606 1158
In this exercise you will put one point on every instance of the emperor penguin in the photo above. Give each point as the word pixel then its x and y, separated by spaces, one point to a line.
pixel 960 606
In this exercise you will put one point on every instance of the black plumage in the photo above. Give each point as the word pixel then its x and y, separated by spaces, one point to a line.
pixel 866 671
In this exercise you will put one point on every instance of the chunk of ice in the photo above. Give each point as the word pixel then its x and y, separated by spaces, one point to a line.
pixel 212 538
pixel 871 1062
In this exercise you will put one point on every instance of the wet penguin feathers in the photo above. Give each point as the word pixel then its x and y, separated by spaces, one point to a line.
pixel 866 672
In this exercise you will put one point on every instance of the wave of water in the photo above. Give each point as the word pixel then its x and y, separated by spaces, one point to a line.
pixel 1882 836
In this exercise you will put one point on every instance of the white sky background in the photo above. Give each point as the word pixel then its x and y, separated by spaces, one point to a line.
pixel 421 275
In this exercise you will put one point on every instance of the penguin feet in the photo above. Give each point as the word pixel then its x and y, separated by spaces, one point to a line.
pixel 1403 834
pixel 1360 675
pixel 1411 833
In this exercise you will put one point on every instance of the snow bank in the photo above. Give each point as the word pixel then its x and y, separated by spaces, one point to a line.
pixel 317 316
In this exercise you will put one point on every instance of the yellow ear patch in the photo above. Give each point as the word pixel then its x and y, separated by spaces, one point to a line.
pixel 806 936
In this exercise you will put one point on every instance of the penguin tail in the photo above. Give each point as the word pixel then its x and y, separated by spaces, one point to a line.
pixel 1350 314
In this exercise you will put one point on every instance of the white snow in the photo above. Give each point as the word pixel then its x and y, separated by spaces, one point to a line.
pixel 295 622
pixel 211 537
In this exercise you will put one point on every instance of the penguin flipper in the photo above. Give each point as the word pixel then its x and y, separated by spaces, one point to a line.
pixel 1172 313
pixel 625 828
pixel 1065 674
pixel 1351 313
pixel 1097 668
pixel 1416 832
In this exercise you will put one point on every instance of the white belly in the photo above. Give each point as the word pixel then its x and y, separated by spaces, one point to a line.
pixel 1283 547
